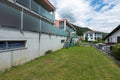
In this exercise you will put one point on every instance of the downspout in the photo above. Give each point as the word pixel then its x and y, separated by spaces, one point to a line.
pixel 21 29
pixel 39 35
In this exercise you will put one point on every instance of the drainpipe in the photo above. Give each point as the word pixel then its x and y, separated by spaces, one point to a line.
pixel 21 29
pixel 40 35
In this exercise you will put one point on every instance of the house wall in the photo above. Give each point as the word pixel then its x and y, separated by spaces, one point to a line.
pixel 113 37
pixel 35 46
pixel 92 36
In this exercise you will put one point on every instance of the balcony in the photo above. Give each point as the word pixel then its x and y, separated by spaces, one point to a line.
pixel 69 29
pixel 32 5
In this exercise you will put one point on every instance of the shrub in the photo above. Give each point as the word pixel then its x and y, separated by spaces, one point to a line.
pixel 116 51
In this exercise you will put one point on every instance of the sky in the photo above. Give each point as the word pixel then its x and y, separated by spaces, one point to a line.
pixel 98 15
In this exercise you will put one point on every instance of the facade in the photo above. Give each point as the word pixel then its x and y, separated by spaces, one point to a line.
pixel 114 36
pixel 65 25
pixel 92 35
pixel 27 31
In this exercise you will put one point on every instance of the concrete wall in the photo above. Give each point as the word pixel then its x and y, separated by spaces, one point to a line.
pixel 113 37
pixel 36 46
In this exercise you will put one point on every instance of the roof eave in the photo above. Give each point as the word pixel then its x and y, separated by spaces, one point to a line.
pixel 116 29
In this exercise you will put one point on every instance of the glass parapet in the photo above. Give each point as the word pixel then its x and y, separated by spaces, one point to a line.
pixel 46 14
pixel 69 29
pixel 50 29
pixel 74 36
pixel 39 9
pixel 25 3
pixel 31 4
pixel 35 6
pixel 9 16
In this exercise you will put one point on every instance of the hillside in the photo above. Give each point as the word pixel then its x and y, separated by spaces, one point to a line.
pixel 81 30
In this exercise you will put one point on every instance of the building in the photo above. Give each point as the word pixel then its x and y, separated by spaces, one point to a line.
pixel 27 31
pixel 65 25
pixel 113 36
pixel 92 35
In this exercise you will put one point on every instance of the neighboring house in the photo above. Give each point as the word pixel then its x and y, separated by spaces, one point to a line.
pixel 65 25
pixel 92 35
pixel 114 36
pixel 27 31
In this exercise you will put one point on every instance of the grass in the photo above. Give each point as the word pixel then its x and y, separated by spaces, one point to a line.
pixel 76 63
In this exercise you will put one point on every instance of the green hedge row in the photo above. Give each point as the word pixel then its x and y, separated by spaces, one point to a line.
pixel 116 51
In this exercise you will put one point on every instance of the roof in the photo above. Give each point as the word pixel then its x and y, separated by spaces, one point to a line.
pixel 115 30
pixel 46 4
pixel 91 31
pixel 68 23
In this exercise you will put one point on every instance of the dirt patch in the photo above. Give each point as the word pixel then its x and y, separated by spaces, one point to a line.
pixel 48 61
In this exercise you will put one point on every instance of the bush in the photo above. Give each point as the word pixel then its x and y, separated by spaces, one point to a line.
pixel 116 51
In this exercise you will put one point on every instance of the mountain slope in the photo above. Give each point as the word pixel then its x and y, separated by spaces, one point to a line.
pixel 81 30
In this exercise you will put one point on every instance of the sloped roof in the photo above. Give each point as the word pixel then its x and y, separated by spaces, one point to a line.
pixel 115 30
pixel 91 31
pixel 46 4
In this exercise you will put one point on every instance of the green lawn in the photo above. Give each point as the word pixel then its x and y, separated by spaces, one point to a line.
pixel 76 63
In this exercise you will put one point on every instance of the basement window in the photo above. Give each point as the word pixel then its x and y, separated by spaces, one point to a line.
pixel 16 44
pixel 62 41
pixel 6 45
pixel 2 45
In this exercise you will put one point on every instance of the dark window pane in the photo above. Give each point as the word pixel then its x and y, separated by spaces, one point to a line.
pixel 62 41
pixel 9 16
pixel 61 25
pixel 118 39
pixel 2 45
pixel 25 3
pixel 16 44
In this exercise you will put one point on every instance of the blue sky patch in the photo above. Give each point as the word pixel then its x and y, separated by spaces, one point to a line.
pixel 89 19
pixel 99 4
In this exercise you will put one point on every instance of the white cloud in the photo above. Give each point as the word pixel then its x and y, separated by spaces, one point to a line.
pixel 81 13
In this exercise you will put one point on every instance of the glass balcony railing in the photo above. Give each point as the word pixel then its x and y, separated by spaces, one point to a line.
pixel 46 14
pixel 31 4
pixel 50 29
pixel 69 29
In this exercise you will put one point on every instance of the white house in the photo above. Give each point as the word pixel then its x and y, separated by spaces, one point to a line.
pixel 113 36
pixel 92 35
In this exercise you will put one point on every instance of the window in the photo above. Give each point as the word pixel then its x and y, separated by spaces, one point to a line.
pixel 61 25
pixel 16 44
pixel 11 44
pixel 108 40
pixel 118 39
pixel 2 45
pixel 62 41
pixel 91 35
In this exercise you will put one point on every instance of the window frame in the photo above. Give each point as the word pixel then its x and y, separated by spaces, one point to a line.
pixel 8 48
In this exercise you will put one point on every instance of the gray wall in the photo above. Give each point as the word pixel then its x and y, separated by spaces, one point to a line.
pixel 36 46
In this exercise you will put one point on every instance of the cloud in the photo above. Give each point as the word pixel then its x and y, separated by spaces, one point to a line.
pixel 99 15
